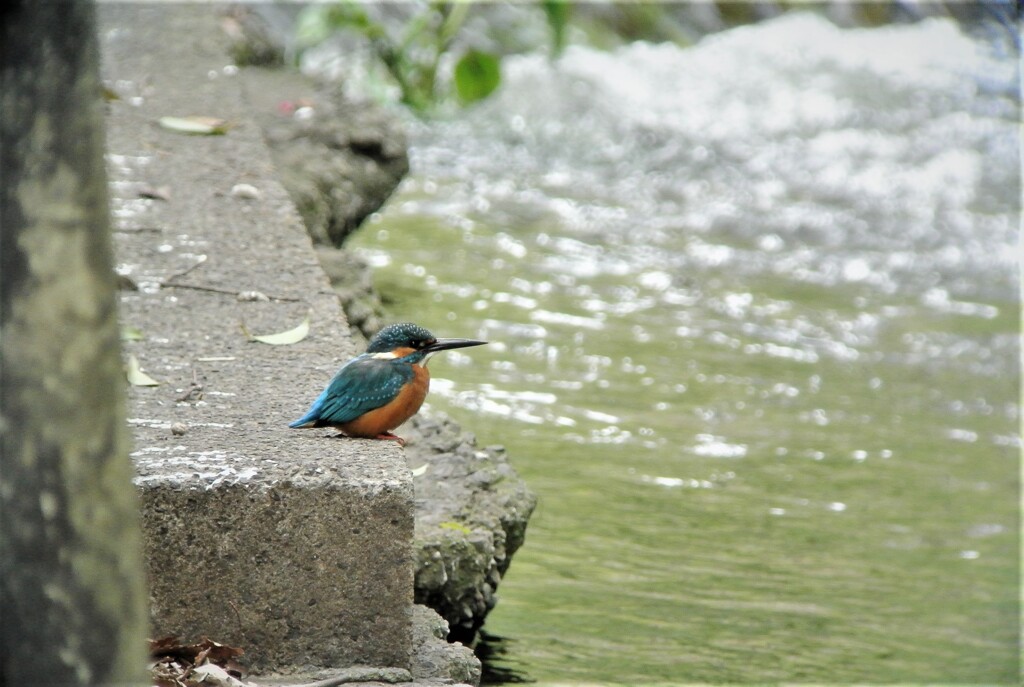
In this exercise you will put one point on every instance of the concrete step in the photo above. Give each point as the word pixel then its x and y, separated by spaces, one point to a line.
pixel 293 545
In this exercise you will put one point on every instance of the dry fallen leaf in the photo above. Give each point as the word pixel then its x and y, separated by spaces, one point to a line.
pixel 157 647
pixel 200 126
pixel 291 336
pixel 136 377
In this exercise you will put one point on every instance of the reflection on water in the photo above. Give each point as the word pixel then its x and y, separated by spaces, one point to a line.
pixel 755 322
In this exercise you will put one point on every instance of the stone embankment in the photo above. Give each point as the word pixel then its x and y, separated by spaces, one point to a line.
pixel 306 551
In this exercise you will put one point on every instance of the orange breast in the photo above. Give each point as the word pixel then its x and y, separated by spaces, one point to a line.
pixel 387 417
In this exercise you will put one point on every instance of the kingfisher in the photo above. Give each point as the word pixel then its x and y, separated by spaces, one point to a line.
pixel 377 391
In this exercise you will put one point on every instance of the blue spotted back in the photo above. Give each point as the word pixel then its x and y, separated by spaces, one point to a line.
pixel 363 384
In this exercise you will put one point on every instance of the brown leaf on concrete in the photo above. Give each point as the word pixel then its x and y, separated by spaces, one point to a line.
pixel 158 646
pixel 219 653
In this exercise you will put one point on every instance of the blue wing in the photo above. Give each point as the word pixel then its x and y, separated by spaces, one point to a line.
pixel 364 383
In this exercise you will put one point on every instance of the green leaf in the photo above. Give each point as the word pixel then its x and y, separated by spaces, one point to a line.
pixel 292 336
pixel 130 333
pixel 313 26
pixel 136 377
pixel 454 14
pixel 317 22
pixel 557 12
pixel 199 126
pixel 477 74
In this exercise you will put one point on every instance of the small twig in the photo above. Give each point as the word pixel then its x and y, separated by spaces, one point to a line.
pixel 136 230
pixel 238 616
pixel 196 287
pixel 170 283
pixel 197 263
pixel 214 289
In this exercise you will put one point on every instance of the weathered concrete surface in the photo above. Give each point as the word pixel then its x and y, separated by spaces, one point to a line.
pixel 293 545
pixel 298 564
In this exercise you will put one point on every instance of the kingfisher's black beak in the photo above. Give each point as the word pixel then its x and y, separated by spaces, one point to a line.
pixel 448 344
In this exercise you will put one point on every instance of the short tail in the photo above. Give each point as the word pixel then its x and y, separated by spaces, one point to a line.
pixel 308 420
pixel 312 415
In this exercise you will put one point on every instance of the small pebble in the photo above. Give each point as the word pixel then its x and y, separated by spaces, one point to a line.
pixel 178 429
pixel 245 191
pixel 253 296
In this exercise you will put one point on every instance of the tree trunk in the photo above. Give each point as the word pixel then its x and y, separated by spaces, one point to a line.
pixel 73 599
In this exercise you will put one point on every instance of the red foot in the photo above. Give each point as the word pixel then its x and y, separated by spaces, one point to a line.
pixel 391 437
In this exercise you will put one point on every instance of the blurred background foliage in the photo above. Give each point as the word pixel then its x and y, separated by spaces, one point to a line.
pixel 438 53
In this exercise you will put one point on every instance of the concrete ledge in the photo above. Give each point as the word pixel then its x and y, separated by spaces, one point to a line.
pixel 291 544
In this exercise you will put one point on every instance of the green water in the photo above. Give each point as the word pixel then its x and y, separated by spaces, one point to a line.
pixel 710 512
pixel 754 313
